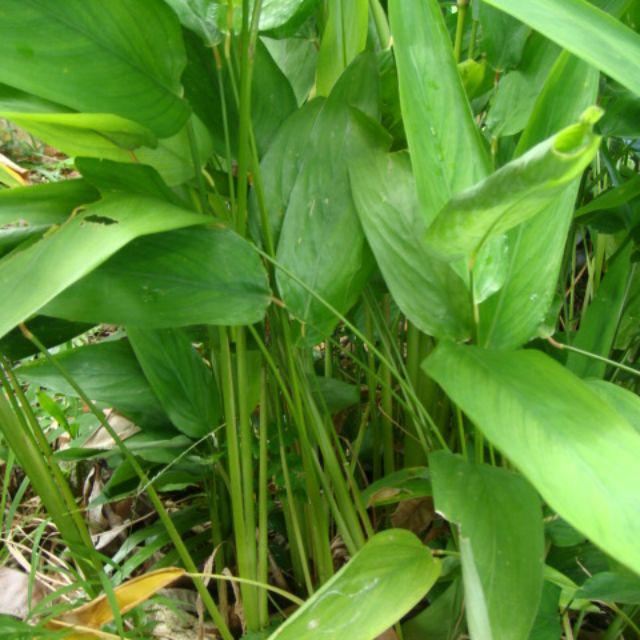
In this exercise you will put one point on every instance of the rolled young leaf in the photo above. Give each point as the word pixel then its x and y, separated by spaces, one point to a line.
pixel 501 543
pixel 576 450
pixel 381 583
pixel 514 193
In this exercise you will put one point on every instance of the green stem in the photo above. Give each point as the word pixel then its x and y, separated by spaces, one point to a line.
pixel 462 14
pixel 381 22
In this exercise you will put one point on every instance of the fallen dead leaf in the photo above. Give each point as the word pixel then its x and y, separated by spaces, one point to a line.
pixel 88 618
pixel 415 515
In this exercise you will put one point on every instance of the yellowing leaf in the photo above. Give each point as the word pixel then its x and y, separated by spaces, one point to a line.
pixel 88 618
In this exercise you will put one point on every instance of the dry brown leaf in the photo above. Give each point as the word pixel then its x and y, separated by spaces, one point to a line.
pixel 415 515
pixel 130 594
pixel 389 634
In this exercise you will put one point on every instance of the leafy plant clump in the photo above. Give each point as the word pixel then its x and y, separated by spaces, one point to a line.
pixel 321 314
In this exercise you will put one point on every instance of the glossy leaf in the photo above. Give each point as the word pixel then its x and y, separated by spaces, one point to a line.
pixel 611 587
pixel 599 323
pixel 514 315
pixel 100 135
pixel 586 31
pixel 516 192
pixel 107 372
pixel 344 37
pixel 179 377
pixel 123 57
pixel 503 38
pixel 518 90
pixel 446 159
pixel 321 240
pixel 549 423
pixel 33 277
pixel 44 204
pixel 50 332
pixel 501 543
pixel 385 197
pixel 176 279
pixel 119 57
pixel 624 401
pixel 381 583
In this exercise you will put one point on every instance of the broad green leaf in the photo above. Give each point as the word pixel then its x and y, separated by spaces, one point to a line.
pixel 513 316
pixel 344 37
pixel 514 193
pixel 406 484
pixel 624 401
pixel 427 290
pixel 107 372
pixel 100 135
pixel 123 57
pixel 180 378
pixel 51 332
pixel 547 625
pixel 297 58
pixel 611 587
pixel 176 279
pixel 501 542
pixel 117 177
pixel 549 423
pixel 44 204
pixel 518 90
pixel 586 31
pixel 18 238
pixel 599 323
pixel 33 277
pixel 446 159
pixel 381 583
pixel 441 620
pixel 612 198
pixel 321 240
pixel 336 395
pixel 622 112
pixel 503 38
pixel 272 98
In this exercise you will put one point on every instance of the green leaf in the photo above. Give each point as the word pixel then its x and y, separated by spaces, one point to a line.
pixel 514 315
pixel 599 323
pixel 179 377
pixel 107 372
pixel 100 135
pixel 501 542
pixel 441 620
pixel 625 402
pixel 547 625
pixel 586 31
pixel 516 192
pixel 518 90
pixel 33 277
pixel 51 332
pixel 44 204
pixel 612 198
pixel 175 279
pixel 503 38
pixel 385 198
pixel 116 177
pixel 114 57
pixel 609 586
pixel 381 583
pixel 549 423
pixel 321 240
pixel 406 484
pixel 344 37
pixel 446 159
